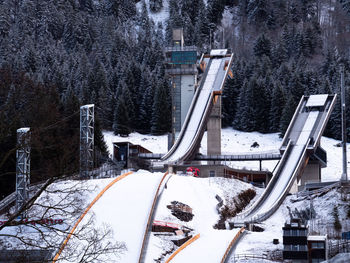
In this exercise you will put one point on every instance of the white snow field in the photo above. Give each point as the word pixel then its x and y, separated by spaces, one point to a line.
pixel 233 141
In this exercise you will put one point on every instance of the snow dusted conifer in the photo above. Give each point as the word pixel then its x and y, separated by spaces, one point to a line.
pixel 161 109
pixel 262 46
pixel 277 103
pixel 155 5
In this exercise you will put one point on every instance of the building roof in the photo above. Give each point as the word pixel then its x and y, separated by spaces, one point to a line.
pixel 317 238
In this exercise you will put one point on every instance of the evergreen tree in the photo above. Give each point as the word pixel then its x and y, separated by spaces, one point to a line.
pixel 258 11
pixel 147 102
pixel 215 11
pixel 345 5
pixel 262 46
pixel 287 113
pixel 231 93
pixel 155 5
pixel 277 103
pixel 161 123
pixel 122 112
pixel 337 224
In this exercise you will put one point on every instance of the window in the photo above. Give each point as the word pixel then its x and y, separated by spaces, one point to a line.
pixel 295 248
pixel 286 232
pixel 317 260
pixel 302 232
pixel 212 173
pixel 287 247
pixel 317 245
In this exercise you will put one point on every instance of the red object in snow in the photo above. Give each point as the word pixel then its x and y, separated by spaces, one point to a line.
pixel 193 171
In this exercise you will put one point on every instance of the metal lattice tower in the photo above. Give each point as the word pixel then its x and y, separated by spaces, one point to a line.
pixel 22 167
pixel 86 139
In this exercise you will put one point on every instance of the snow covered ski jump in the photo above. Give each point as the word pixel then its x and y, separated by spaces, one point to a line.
pixel 218 64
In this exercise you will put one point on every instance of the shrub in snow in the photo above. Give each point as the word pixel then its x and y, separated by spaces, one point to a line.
pixel 231 209
pixel 337 224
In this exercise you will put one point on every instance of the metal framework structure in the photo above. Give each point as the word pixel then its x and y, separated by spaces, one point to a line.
pixel 344 176
pixel 22 167
pixel 86 139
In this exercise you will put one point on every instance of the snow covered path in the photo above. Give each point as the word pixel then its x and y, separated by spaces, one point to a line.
pixel 209 248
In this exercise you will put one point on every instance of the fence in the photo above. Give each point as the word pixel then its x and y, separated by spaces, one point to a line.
pixel 276 256
pixel 318 191
pixel 341 246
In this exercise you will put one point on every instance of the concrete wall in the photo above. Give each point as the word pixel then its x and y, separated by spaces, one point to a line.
pixel 187 91
pixel 312 173
pixel 214 129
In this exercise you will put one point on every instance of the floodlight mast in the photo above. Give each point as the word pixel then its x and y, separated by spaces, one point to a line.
pixel 86 139
pixel 344 176
pixel 22 168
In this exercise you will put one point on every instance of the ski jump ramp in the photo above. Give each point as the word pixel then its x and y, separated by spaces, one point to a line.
pixel 217 67
pixel 299 143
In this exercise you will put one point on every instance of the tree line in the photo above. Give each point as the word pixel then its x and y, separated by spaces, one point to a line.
pixel 110 53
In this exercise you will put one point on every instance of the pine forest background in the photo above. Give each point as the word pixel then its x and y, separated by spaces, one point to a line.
pixel 56 55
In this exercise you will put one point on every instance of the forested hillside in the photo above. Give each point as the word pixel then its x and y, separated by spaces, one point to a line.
pixel 285 49
pixel 56 55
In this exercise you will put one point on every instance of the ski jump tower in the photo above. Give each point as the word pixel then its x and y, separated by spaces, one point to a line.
pixel 182 65
pixel 182 68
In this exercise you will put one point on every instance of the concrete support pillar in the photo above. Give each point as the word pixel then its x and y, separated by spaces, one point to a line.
pixel 214 129
pixel 312 173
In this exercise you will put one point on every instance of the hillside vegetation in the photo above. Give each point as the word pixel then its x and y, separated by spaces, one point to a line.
pixel 58 55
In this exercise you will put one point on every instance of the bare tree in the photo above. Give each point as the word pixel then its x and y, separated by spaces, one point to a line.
pixel 51 213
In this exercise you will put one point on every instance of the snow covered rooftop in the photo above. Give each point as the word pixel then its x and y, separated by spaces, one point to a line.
pixel 88 106
pixel 317 238
pixel 218 52
pixel 317 100
pixel 23 130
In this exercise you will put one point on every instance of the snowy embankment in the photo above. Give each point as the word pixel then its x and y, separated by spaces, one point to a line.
pixel 199 194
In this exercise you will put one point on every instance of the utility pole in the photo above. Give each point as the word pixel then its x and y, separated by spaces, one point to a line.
pixel 86 140
pixel 344 176
pixel 22 168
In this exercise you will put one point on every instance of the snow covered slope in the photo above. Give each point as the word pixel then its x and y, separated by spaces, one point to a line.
pixel 199 194
pixel 125 208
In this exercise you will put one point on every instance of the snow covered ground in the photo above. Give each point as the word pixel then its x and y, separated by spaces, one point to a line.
pixel 133 195
pixel 233 141
pixel 61 202
pixel 199 193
